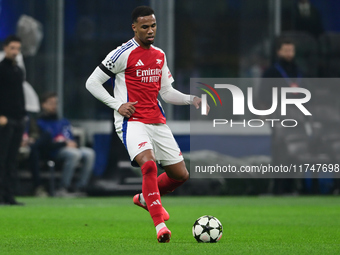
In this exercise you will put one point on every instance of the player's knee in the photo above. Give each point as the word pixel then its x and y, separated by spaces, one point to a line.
pixel 145 157
pixel 185 176
pixel 182 176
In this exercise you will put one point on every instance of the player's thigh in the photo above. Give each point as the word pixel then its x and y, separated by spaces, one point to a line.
pixel 144 156
pixel 166 148
pixel 137 139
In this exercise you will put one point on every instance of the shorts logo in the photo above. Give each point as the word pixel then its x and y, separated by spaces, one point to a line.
pixel 141 145
pixel 180 153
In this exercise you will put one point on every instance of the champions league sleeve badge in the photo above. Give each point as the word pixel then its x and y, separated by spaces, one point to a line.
pixel 109 64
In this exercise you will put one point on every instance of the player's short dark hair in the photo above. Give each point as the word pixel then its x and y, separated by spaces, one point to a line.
pixel 282 41
pixel 141 11
pixel 47 95
pixel 11 38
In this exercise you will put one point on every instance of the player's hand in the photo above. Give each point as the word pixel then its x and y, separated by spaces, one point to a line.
pixel 197 102
pixel 3 120
pixel 127 109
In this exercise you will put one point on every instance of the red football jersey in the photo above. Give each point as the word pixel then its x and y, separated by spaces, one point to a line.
pixel 140 73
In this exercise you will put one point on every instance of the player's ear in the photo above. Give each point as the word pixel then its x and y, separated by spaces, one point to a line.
pixel 134 27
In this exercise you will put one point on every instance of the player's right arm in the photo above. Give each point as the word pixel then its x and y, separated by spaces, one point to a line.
pixel 100 75
pixel 94 85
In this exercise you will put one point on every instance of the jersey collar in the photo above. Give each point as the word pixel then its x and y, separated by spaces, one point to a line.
pixel 135 42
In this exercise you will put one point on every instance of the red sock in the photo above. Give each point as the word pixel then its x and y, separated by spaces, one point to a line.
pixel 166 184
pixel 151 192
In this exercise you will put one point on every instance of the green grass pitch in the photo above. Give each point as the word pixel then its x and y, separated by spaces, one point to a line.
pixel 251 225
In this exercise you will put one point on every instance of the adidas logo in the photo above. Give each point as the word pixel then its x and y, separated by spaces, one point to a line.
pixel 139 63
pixel 155 203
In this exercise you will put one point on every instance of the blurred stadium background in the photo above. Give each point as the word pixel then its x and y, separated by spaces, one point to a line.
pixel 64 40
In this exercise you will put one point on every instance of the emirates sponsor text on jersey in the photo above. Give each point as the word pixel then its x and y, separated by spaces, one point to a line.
pixel 149 75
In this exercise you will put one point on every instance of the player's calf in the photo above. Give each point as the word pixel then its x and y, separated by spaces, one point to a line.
pixel 151 192
pixel 167 185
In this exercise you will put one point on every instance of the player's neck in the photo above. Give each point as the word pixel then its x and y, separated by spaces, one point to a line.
pixel 143 45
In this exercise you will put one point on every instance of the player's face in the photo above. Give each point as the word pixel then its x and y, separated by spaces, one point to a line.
pixel 50 105
pixel 145 30
pixel 12 50
pixel 287 52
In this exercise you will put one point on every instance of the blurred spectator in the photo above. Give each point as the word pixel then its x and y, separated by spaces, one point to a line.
pixel 307 18
pixel 12 113
pixel 285 67
pixel 63 145
pixel 37 145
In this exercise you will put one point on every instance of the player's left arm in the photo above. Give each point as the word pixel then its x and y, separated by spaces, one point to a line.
pixel 173 96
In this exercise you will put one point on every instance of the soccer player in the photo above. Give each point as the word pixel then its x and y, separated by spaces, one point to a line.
pixel 141 73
